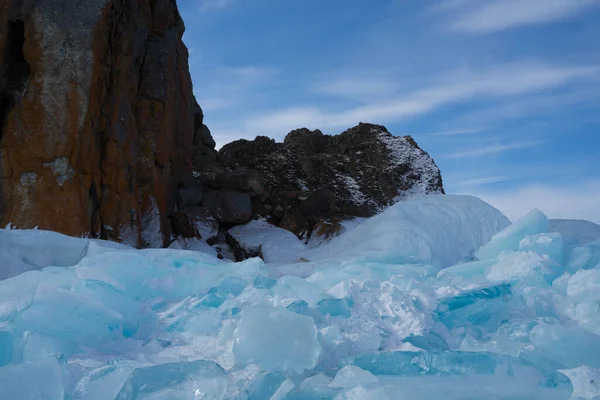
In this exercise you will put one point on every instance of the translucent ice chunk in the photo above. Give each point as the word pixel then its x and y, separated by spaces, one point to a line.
pixel 362 393
pixel 586 382
pixel 291 288
pixel 106 381
pixel 276 338
pixel 41 380
pixel 430 341
pixel 513 266
pixel 36 347
pixel 351 376
pixel 472 296
pixel 549 244
pixel 569 346
pixel 460 364
pixel 585 285
pixel 499 345
pixel 6 344
pixel 335 307
pixel 509 239
pixel 270 386
pixel 177 381
pixel 465 270
pixel 71 316
pixel 485 307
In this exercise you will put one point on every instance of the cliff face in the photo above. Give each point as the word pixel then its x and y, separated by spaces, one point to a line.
pixel 97 117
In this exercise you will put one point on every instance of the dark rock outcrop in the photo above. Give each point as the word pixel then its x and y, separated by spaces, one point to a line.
pixel 229 207
pixel 98 121
pixel 366 169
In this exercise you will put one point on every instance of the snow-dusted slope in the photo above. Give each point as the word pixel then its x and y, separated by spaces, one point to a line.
pixel 437 230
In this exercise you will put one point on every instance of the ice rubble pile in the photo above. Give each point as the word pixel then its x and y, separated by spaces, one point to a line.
pixel 515 317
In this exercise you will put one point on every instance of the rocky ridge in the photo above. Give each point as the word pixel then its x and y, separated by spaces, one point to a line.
pixel 311 184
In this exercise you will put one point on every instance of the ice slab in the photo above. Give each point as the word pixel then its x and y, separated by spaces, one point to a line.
pixel 177 381
pixel 7 344
pixel 276 338
pixel 351 376
pixel 510 238
pixel 274 385
pixel 40 380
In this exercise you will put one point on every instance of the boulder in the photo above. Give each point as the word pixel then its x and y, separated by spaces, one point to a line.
pixel 204 223
pixel 98 122
pixel 229 207
pixel 190 197
pixel 181 225
pixel 239 252
pixel 366 167
pixel 245 181
pixel 296 223
pixel 321 203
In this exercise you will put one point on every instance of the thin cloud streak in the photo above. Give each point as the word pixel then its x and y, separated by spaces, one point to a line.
pixel 482 181
pixel 492 149
pixel 207 5
pixel 457 132
pixel 500 81
pixel 496 15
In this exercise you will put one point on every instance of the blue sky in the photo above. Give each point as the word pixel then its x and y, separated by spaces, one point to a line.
pixel 504 94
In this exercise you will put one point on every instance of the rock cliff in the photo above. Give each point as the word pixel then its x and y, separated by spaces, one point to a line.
pixel 97 117
pixel 366 167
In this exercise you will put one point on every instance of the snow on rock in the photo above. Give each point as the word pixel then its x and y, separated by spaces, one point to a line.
pixel 396 308
pixel 275 244
pixel 404 151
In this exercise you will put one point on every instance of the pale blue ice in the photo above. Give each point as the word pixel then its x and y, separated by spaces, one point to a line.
pixel 436 298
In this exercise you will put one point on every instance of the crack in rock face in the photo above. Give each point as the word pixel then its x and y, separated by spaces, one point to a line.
pixel 62 170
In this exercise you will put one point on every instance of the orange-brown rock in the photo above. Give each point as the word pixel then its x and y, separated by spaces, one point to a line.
pixel 97 117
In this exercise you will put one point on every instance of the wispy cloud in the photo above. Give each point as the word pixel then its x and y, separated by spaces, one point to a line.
pixel 491 149
pixel 206 5
pixel 482 181
pixel 477 16
pixel 456 132
pixel 459 86
pixel 538 105
pixel 579 201
pixel 226 87
pixel 352 87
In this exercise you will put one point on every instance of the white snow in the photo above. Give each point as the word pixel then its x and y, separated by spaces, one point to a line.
pixel 357 197
pixel 277 245
pixel 401 153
